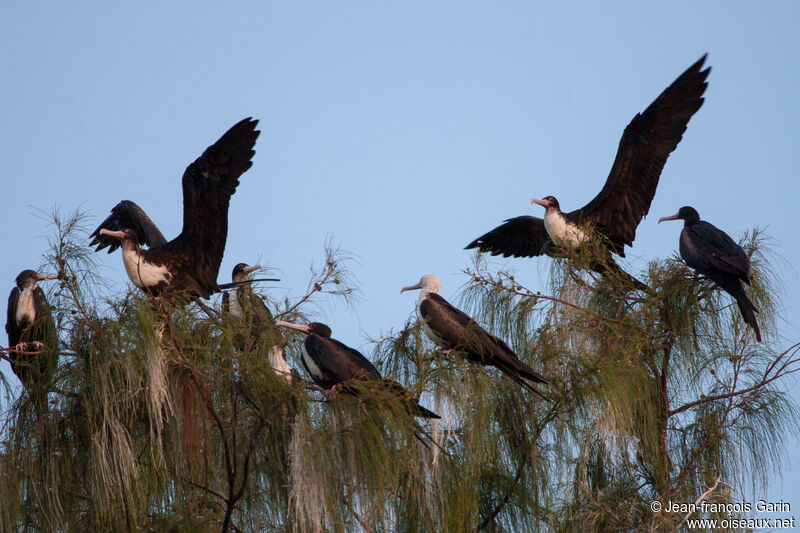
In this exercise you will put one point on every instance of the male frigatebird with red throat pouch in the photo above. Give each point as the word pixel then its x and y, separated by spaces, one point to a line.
pixel 190 262
pixel 625 199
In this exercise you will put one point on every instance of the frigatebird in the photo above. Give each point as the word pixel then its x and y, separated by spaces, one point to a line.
pixel 256 320
pixel 30 328
pixel 333 364
pixel 625 198
pixel 712 253
pixel 190 262
pixel 453 330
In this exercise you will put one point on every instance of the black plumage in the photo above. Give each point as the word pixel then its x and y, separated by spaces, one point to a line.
pixel 190 262
pixel 247 307
pixel 711 252
pixel 452 329
pixel 630 187
pixel 30 328
pixel 253 321
pixel 331 364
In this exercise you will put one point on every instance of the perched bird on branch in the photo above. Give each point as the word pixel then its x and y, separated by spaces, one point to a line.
pixel 711 252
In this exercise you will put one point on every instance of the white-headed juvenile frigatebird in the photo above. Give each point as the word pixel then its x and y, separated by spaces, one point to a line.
pixel 625 198
pixel 453 330
pixel 190 262
pixel 332 364
pixel 711 252
pixel 30 328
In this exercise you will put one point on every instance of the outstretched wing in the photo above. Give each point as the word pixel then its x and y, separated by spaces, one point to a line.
pixel 643 150
pixel 523 236
pixel 208 185
pixel 127 215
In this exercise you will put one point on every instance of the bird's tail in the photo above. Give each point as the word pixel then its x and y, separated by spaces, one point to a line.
pixel 523 375
pixel 746 307
pixel 422 412
pixel 610 268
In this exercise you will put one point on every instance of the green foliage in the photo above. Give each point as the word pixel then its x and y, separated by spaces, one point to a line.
pixel 161 419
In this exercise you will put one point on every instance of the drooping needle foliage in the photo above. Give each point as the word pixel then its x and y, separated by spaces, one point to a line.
pixel 159 420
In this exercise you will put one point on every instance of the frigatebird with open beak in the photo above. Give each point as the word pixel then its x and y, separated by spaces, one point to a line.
pixel 625 199
pixel 256 320
pixel 453 330
pixel 30 329
pixel 190 262
pixel 712 252
pixel 332 364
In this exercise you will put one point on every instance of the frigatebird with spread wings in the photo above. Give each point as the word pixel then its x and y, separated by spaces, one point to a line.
pixel 190 262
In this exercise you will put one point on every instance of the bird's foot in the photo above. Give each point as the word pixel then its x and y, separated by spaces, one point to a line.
pixel 327 393
pixel 26 346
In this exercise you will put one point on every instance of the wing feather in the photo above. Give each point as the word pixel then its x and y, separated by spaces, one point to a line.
pixel 646 144
pixel 127 215
pixel 523 236
pixel 208 185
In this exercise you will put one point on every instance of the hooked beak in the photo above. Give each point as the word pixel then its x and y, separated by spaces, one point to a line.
pixel 540 202
pixel 411 288
pixel 673 217
pixel 116 234
pixel 296 327
pixel 251 268
pixel 42 277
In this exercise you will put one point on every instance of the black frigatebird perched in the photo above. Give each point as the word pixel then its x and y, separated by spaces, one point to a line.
pixel 453 330
pixel 625 198
pixel 711 252
pixel 332 363
pixel 257 320
pixel 190 262
pixel 30 328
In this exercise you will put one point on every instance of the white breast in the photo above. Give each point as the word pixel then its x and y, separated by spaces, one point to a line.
pixel 561 231
pixel 25 308
pixel 142 273
pixel 235 304
pixel 426 328
pixel 311 365
pixel 280 365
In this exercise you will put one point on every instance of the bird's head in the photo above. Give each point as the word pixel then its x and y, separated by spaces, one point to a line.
pixel 687 213
pixel 548 202
pixel 428 283
pixel 28 278
pixel 241 271
pixel 124 235
pixel 315 328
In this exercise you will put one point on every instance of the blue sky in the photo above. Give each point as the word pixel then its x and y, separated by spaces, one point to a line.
pixel 399 131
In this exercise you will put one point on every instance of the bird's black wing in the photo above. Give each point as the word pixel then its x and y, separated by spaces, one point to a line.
pixel 12 328
pixel 208 184
pixel 337 361
pixel 643 150
pixel 458 328
pixel 461 332
pixel 257 306
pixel 226 303
pixel 719 250
pixel 523 236
pixel 44 319
pixel 127 215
